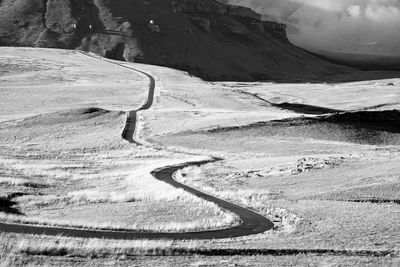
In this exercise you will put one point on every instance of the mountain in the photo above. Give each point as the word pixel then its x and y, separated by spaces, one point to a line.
pixel 207 38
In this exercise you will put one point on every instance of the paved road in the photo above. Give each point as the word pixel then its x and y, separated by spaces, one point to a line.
pixel 252 222
pixel 129 131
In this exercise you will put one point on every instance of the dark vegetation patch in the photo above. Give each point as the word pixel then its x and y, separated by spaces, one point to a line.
pixel 375 201
pixel 296 107
pixel 91 110
pixel 377 193
pixel 116 52
pixel 365 127
pixel 388 121
pixel 60 251
pixel 7 205
pixel 306 109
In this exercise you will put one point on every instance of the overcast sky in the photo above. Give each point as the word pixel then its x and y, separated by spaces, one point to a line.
pixel 346 26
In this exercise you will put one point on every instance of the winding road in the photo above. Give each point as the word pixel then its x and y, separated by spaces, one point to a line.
pixel 129 131
pixel 251 222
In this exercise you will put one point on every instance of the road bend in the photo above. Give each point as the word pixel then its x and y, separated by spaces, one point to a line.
pixel 251 222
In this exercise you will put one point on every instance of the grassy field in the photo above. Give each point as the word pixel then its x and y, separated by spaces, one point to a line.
pixel 38 81
pixel 78 172
pixel 329 185
pixel 340 201
pixel 21 250
pixel 70 167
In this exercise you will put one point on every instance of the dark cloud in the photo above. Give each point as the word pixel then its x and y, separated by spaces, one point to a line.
pixel 340 26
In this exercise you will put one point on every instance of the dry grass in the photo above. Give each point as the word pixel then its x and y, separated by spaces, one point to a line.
pixel 208 216
pixel 91 248
pixel 17 250
pixel 82 164
pixel 61 80
pixel 79 168
pixel 301 204
pixel 257 200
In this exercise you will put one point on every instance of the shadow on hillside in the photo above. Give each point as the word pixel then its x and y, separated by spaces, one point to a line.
pixel 305 109
pixel 363 127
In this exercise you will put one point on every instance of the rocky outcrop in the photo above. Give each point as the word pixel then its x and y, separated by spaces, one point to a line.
pixel 244 16
pixel 206 38
pixel 202 7
pixel 58 16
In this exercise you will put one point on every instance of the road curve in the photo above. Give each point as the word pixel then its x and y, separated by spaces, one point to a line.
pixel 251 222
pixel 129 131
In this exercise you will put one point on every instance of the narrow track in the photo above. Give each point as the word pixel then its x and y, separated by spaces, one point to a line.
pixel 251 222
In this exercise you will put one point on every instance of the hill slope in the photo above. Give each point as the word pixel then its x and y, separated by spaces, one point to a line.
pixel 209 39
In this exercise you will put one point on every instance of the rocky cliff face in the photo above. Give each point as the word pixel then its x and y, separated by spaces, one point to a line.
pixel 207 38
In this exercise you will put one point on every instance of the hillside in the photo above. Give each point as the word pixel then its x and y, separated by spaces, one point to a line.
pixel 206 38
pixel 329 182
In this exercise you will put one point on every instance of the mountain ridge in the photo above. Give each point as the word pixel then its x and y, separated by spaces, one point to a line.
pixel 209 39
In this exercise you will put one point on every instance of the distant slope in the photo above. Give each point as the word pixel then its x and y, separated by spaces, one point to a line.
pixel 206 38
pixel 362 61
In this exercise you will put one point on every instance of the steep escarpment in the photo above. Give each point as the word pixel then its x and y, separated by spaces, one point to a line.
pixel 206 38
pixel 46 23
